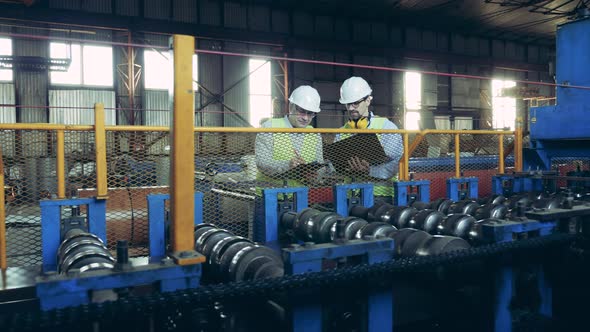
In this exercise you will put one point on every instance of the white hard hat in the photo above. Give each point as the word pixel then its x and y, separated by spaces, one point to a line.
pixel 354 89
pixel 307 98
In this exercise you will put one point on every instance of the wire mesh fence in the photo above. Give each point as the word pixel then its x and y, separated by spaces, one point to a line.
pixel 231 169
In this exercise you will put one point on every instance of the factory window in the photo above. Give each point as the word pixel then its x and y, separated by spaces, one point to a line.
pixel 5 49
pixel 158 70
pixel 413 99
pixel 260 95
pixel 503 108
pixel 90 65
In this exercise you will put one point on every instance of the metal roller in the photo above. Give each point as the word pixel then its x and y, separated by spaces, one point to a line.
pixel 547 203
pixel 227 257
pixel 438 244
pixel 493 199
pixel 442 205
pixel 491 210
pixel 398 216
pixel 465 207
pixel 214 259
pixel 255 262
pixel 400 237
pixel 310 225
pixel 83 251
pixel 456 225
pixel 427 220
pixel 202 228
pixel 414 242
pixel 209 239
pixel 418 205
pixel 351 226
pixel 375 229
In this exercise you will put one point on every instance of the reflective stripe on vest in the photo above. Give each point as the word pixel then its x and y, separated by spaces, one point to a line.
pixel 381 187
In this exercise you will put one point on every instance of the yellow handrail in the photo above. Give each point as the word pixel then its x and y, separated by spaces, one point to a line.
pixel 501 154
pixel 457 157
pixel 61 165
pixel 3 262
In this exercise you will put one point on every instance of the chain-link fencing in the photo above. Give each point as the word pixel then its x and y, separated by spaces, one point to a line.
pixel 232 166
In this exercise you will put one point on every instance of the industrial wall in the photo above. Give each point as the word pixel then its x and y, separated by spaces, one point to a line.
pixel 275 30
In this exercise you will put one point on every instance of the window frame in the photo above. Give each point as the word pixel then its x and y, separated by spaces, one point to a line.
pixel 82 75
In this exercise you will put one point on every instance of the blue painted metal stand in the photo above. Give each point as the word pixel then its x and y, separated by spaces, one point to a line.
pixel 462 188
pixel 405 189
pixel 307 315
pixel 51 225
pixel 59 291
pixel 267 225
pixel 507 184
pixel 504 277
pixel 349 195
pixel 156 204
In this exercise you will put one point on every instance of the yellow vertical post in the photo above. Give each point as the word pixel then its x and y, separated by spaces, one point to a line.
pixel 406 156
pixel 457 157
pixel 3 262
pixel 100 146
pixel 182 189
pixel 501 154
pixel 60 167
pixel 518 158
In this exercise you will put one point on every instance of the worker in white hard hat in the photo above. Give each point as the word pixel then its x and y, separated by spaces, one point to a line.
pixel 356 95
pixel 277 153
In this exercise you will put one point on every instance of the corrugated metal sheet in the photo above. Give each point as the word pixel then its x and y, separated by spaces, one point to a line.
pixel 210 69
pixel 280 21
pixel 259 18
pixel 127 7
pixel 234 15
pixel 82 105
pixel 237 99
pixel 65 4
pixel 185 11
pixel 32 91
pixel 97 6
pixel 157 108
pixel 209 12
pixel 158 9
pixel 7 113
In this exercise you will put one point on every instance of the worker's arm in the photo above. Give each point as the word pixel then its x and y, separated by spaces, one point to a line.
pixel 264 156
pixel 393 146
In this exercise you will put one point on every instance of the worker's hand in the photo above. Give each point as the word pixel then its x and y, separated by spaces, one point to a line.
pixel 296 161
pixel 358 166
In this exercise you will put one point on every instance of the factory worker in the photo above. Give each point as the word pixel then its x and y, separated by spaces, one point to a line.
pixel 277 153
pixel 356 95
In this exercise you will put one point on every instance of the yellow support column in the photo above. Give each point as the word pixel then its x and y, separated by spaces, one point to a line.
pixel 501 154
pixel 61 171
pixel 406 157
pixel 100 146
pixel 3 262
pixel 182 188
pixel 457 157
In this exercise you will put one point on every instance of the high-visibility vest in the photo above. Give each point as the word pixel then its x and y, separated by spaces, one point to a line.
pixel 381 187
pixel 283 149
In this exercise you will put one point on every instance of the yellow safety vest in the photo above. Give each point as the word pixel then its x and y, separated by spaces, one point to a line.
pixel 283 150
pixel 381 187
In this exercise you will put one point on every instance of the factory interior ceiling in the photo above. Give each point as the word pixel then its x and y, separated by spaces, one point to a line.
pixel 526 21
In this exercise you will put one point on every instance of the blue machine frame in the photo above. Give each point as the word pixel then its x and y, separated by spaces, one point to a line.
pixel 554 131
pixel 456 186
pixel 402 189
pixel 307 316
pixel 345 196
pixel 157 221
pixel 504 277
pixel 267 225
pixel 59 291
